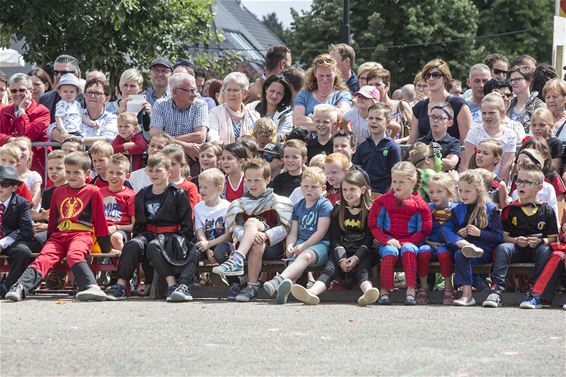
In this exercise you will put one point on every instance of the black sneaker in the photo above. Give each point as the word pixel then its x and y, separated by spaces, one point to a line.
pixel 16 293
pixel 181 294
pixel 170 291
pixel 116 293
pixel 3 291
pixel 248 294
pixel 233 291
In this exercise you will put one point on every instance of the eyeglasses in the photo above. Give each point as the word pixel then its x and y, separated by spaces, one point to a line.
pixel 269 158
pixel 506 95
pixel 434 75
pixel 94 94
pixel 14 91
pixel 421 86
pixel 190 91
pixel 434 118
pixel 7 184
pixel 516 79
pixel 57 73
pixel 525 182
pixel 499 71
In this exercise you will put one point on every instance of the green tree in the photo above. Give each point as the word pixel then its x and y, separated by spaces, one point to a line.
pixel 274 24
pixel 110 35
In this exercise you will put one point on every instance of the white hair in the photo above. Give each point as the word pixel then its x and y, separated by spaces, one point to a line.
pixel 177 79
pixel 20 77
pixel 237 77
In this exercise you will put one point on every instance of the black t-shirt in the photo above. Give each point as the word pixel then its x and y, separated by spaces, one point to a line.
pixel 314 148
pixel 420 110
pixel 528 219
pixel 46 197
pixel 555 146
pixel 285 183
pixel 152 204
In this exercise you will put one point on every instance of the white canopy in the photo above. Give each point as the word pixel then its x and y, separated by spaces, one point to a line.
pixel 10 58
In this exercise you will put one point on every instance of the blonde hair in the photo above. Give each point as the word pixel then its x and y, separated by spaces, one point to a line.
pixel 128 118
pixel 216 148
pixel 214 176
pixel 318 161
pixel 531 167
pixel 478 217
pixel 120 160
pixel 316 174
pixel 323 61
pixel 408 170
pixel 487 177
pixel 419 152
pixel 356 178
pixel 131 74
pixel 264 127
pixel 102 147
pixel 27 143
pixel 493 145
pixel 339 159
pixel 445 181
pixel 367 66
pixel 12 151
pixel 327 109
pixel 297 144
pixel 80 159
pixel 545 115
pixel 555 85
pixel 494 99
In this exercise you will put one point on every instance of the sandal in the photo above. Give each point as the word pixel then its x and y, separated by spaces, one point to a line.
pixel 448 297
pixel 384 300
pixel 410 300
pixel 422 296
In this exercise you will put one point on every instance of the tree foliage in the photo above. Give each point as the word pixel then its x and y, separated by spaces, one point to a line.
pixel 404 34
pixel 274 24
pixel 110 35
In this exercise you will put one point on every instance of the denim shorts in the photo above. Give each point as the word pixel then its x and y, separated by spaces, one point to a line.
pixel 321 251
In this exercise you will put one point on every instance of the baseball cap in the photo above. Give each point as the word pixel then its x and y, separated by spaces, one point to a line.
pixel 369 92
pixel 274 149
pixel 161 61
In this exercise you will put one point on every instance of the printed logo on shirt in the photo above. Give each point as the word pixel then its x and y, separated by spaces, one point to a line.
pixel 308 221
pixel 152 208
pixel 112 210
pixel 71 207
pixel 385 152
pixel 354 223
pixel 214 229
pixel 514 220
pixel 541 225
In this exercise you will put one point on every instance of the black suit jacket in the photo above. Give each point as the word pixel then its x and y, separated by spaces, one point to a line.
pixel 17 221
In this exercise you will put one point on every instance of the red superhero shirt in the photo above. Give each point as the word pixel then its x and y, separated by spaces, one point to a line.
pixel 234 193
pixel 406 220
pixel 119 207
pixel 79 205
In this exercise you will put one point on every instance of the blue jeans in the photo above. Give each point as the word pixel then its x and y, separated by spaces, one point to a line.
pixel 463 266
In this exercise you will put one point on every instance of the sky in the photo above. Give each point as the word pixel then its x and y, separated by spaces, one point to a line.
pixel 281 7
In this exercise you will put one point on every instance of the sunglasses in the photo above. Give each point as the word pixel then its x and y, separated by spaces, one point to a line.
pixel 507 95
pixel 434 75
pixel 14 91
pixel 499 71
pixel 7 184
pixel 57 73
pixel 269 158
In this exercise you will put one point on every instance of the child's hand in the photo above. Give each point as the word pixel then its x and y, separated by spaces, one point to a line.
pixel 534 241
pixel 352 263
pixel 473 230
pixel 290 251
pixel 463 232
pixel 344 265
pixel 39 227
pixel 44 214
pixel 202 246
pixel 299 249
pixel 210 257
pixel 522 241
pixel 260 238
pixel 393 242
pixel 128 145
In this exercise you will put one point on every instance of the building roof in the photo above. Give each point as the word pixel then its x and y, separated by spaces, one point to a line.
pixel 243 31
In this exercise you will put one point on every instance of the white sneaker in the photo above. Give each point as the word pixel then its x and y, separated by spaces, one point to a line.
pixel 370 297
pixel 92 293
pixel 465 302
pixel 304 295
pixel 472 251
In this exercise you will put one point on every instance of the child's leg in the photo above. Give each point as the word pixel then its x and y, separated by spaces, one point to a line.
pixel 503 256
pixel 463 275
pixel 251 228
pixel 19 256
pixel 164 268
pixel 79 247
pixel 118 239
pixel 255 259
pixel 132 254
pixel 299 265
pixel 540 256
pixel 221 253
pixel 389 256
pixel 423 261
pixel 446 265
pixel 409 261
pixel 546 284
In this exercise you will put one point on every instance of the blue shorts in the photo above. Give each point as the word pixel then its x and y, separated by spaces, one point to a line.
pixel 320 249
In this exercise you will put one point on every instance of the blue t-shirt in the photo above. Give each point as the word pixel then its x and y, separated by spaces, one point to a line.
pixel 306 98
pixel 308 217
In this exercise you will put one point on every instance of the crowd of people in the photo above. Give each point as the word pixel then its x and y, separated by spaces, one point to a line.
pixel 326 168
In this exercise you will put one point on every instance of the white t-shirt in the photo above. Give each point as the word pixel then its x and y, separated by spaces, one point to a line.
pixel 139 179
pixel 508 140
pixel 359 125
pixel 31 179
pixel 211 219
pixel 517 127
pixel 296 196
pixel 546 195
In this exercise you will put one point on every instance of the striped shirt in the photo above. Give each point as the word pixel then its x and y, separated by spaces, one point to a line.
pixel 108 127
pixel 167 117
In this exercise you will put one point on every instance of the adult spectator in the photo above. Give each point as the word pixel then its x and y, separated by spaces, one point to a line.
pixel 400 110
pixel 323 84
pixel 421 88
pixel 527 60
pixel 479 74
pixel 524 103
pixel 454 87
pixel 543 73
pixel 277 59
pixel 296 77
pixel 504 88
pixel 275 104
pixel 232 119
pixel 63 64
pixel 364 69
pixel 345 57
pixel 200 78
pixel 97 94
pixel 41 82
pixel 160 71
pixel 182 65
pixel 4 98
pixel 183 115
pixel 130 84
pixel 214 90
pixel 25 117
pixel 498 65
pixel 554 93
pixel 437 73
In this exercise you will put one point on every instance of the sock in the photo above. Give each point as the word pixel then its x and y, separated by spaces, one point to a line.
pixel 238 257
pixel 387 270
pixel 446 264
pixel 423 260
pixel 409 260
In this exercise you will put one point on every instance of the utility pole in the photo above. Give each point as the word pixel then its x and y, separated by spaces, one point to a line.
pixel 346 22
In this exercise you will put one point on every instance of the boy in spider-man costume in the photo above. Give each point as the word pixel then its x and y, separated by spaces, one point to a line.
pixel 75 219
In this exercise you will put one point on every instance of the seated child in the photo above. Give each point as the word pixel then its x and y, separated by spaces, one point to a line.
pixel 129 141
pixel 260 221
pixel 400 221
pixel 72 144
pixel 273 153
pixel 358 115
pixel 427 159
pixel 529 228
pixel 442 191
pixel 100 153
pixel 264 132
pixel 119 206
pixel 179 169
pixel 294 157
pixel 31 179
pixel 162 229
pixel 487 156
pixel 208 158
pixel 76 218
pixel 10 155
pixel 139 178
pixel 336 165
pixel 351 243
pixel 325 118
pixel 377 154
pixel 234 156
pixel 474 230
pixel 440 118
pixel 15 227
pixel 68 111
pixel 308 239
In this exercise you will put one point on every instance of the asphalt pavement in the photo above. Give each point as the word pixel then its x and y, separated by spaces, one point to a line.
pixel 57 336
